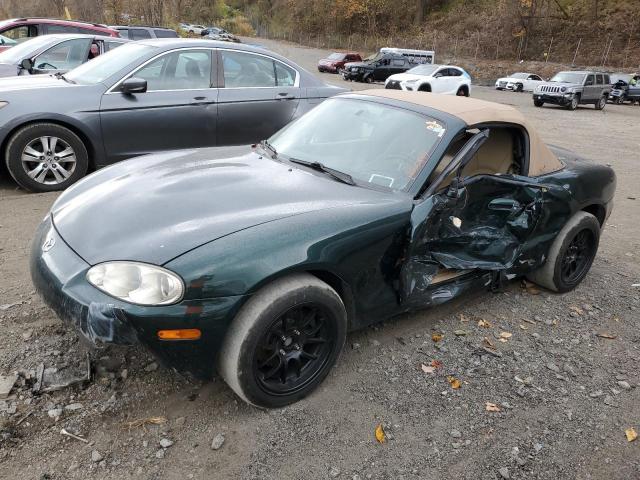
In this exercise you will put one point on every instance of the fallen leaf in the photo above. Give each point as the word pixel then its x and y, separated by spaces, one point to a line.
pixel 436 363
pixel 488 343
pixel 460 333
pixel 578 310
pixel 455 383
pixel 491 407
pixel 529 321
pixel 524 327
pixel 631 434
pixel 607 335
pixel 506 335
pixel 427 368
pixel 381 437
pixel 436 337
pixel 484 324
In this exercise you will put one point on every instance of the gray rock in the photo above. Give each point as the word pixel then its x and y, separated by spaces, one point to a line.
pixel 160 453
pixel 96 456
pixel 165 443
pixel 217 441
pixel 553 367
pixel 6 384
pixel 55 413
pixel 73 406
pixel 152 367
pixel 596 394
pixel 334 471
pixel 504 473
pixel 455 433
pixel 624 385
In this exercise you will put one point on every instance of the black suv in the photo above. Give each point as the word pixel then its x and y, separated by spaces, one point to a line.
pixel 378 68
pixel 570 89
pixel 139 32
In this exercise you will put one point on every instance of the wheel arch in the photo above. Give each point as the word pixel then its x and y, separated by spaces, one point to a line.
pixel 598 211
pixel 92 150
pixel 323 273
pixel 425 87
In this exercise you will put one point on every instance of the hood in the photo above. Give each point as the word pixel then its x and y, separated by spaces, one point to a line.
pixel 403 77
pixel 358 64
pixel 9 70
pixel 562 84
pixel 155 208
pixel 33 82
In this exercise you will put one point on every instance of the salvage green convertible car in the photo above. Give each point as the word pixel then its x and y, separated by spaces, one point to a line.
pixel 255 262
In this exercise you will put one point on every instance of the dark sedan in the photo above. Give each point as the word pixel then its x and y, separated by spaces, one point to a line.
pixel 54 53
pixel 146 97
pixel 256 262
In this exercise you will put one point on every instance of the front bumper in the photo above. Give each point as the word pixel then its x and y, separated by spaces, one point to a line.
pixel 562 99
pixel 351 75
pixel 58 275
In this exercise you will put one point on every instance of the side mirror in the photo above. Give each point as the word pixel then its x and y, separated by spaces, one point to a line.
pixel 437 75
pixel 133 85
pixel 27 64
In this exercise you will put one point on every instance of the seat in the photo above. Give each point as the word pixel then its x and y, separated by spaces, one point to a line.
pixel 494 157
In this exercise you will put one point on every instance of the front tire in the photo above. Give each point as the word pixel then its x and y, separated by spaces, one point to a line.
pixel 519 88
pixel 284 341
pixel 575 101
pixel 45 157
pixel 571 254
pixel 602 102
pixel 538 103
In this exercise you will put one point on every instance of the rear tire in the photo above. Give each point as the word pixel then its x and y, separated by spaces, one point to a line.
pixel 462 92
pixel 571 254
pixel 284 341
pixel 35 168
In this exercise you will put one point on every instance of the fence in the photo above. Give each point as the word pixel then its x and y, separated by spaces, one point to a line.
pixel 607 52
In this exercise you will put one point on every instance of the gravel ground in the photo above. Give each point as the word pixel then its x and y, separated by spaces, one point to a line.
pixel 563 380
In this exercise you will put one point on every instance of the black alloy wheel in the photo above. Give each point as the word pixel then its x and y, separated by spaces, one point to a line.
pixel 294 349
pixel 578 257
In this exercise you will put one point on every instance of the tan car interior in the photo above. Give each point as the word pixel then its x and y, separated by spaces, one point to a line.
pixel 499 155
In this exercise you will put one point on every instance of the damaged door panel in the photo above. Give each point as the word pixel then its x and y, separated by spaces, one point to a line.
pixel 478 224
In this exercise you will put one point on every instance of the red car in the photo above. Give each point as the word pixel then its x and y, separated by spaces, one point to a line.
pixel 20 29
pixel 335 62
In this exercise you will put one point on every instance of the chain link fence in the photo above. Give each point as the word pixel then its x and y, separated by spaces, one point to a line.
pixel 611 52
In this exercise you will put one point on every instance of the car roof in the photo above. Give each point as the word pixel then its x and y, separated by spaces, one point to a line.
pixel 168 43
pixel 55 21
pixel 118 27
pixel 72 36
pixel 476 112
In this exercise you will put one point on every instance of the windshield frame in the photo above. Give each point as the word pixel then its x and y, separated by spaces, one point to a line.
pixel 146 52
pixel 426 114
pixel 579 82
pixel 36 46
pixel 422 66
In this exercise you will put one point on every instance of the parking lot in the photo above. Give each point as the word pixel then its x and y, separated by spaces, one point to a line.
pixel 566 383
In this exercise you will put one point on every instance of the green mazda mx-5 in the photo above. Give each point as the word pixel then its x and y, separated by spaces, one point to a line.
pixel 255 262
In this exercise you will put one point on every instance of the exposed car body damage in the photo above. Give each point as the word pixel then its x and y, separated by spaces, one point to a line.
pixel 248 220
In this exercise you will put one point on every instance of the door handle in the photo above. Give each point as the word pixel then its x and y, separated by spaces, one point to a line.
pixel 284 96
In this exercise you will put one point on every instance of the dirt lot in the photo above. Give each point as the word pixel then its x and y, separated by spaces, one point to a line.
pixel 565 391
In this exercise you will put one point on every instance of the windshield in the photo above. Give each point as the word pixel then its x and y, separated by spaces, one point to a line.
pixel 424 69
pixel 336 56
pixel 373 143
pixel 374 57
pixel 568 77
pixel 520 75
pixel 25 50
pixel 108 64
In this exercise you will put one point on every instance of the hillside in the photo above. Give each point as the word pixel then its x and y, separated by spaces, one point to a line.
pixel 582 32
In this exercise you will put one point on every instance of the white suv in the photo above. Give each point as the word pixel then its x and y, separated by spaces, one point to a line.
pixel 447 79
pixel 519 82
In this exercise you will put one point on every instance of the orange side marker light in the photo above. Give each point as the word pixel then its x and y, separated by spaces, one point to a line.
pixel 180 334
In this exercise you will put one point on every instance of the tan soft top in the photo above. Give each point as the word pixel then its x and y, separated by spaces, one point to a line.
pixel 474 112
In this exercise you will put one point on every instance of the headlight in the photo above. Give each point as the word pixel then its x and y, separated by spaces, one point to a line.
pixel 411 81
pixel 137 283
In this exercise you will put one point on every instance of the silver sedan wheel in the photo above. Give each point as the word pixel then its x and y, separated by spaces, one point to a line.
pixel 49 160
